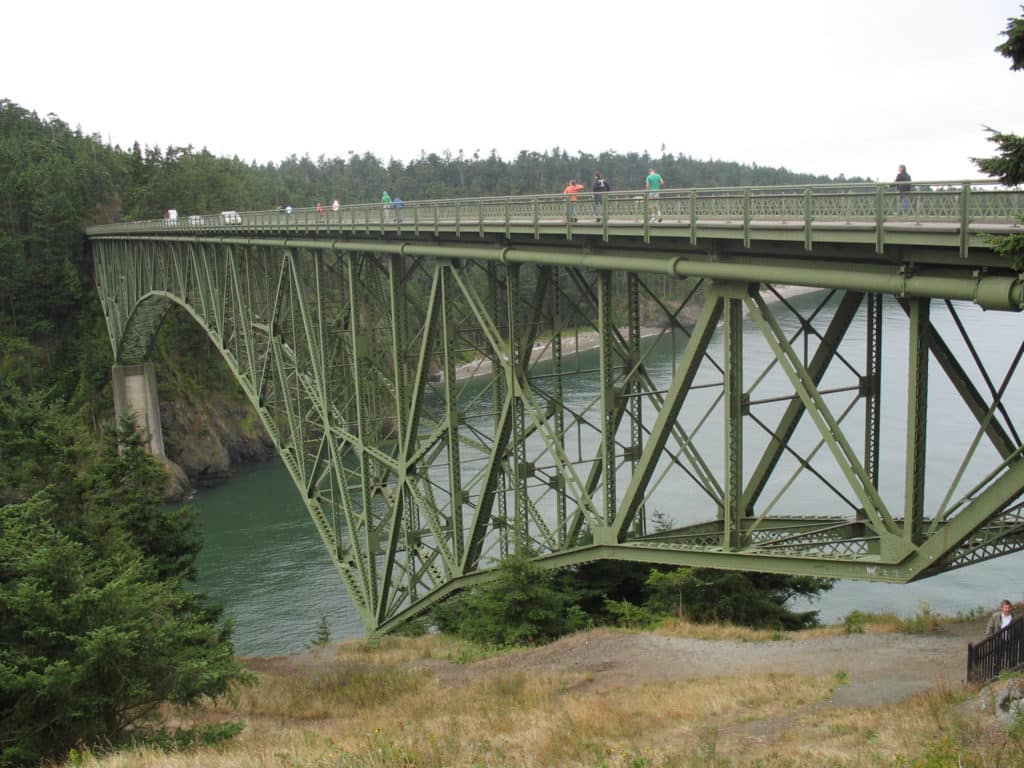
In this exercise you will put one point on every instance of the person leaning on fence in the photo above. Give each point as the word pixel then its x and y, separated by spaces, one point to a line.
pixel 571 189
pixel 1000 619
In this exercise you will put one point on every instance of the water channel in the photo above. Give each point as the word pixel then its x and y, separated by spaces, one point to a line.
pixel 263 560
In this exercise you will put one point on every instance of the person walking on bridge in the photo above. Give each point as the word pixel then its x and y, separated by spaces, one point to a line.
pixel 571 189
pixel 600 187
pixel 902 177
pixel 653 185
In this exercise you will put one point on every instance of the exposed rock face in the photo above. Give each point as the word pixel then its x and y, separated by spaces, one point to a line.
pixel 205 439
pixel 178 486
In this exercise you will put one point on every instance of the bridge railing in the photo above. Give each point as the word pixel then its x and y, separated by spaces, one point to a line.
pixel 959 203
pixel 1000 650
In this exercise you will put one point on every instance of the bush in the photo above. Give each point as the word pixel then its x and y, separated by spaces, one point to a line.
pixel 521 606
pixel 749 599
pixel 631 616
pixel 854 622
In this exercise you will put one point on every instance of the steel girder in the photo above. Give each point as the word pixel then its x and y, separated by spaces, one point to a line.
pixel 688 447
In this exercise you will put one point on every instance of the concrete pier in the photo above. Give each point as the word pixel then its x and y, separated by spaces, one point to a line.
pixel 135 394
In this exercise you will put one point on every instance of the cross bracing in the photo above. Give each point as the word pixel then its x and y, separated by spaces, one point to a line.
pixel 716 423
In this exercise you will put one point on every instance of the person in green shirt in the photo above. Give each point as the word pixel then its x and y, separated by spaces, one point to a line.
pixel 653 186
pixel 385 201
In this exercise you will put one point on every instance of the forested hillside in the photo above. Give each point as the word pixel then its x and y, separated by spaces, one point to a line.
pixel 55 181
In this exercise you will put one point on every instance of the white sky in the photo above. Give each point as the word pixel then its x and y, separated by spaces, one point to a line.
pixel 815 86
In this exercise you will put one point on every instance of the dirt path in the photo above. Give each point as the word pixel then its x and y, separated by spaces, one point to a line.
pixel 877 668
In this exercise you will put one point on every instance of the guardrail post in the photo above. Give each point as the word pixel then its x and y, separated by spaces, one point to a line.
pixel 965 220
pixel 879 220
pixel 693 217
pixel 746 217
pixel 647 217
pixel 808 219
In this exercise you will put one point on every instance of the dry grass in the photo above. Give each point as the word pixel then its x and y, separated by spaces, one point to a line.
pixel 361 705
pixel 878 623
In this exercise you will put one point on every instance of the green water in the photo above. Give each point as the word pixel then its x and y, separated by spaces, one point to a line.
pixel 263 560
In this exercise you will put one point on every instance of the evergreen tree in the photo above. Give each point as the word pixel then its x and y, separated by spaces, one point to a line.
pixel 123 494
pixel 92 644
pixel 1008 165
pixel 523 605
pixel 96 626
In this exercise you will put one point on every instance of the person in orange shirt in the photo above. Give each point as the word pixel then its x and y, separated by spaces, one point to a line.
pixel 571 189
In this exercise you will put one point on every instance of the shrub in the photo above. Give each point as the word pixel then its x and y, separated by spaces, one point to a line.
pixel 521 606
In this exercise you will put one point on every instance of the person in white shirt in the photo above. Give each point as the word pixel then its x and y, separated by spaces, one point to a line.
pixel 1000 619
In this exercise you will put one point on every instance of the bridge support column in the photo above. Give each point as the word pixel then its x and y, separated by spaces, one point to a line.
pixel 135 395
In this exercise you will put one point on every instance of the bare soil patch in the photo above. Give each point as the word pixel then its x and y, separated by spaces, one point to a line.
pixel 873 668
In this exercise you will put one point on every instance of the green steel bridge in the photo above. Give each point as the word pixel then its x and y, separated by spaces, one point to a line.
pixel 418 370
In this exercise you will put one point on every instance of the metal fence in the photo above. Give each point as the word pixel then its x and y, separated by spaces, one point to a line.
pixel 1000 650
pixel 965 203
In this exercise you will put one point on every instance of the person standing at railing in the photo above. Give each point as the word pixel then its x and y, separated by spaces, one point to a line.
pixel 600 188
pixel 320 213
pixel 1000 619
pixel 653 185
pixel 385 200
pixel 571 189
pixel 335 205
pixel 902 177
pixel 398 204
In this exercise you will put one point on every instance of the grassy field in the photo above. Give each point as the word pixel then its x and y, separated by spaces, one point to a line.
pixel 379 704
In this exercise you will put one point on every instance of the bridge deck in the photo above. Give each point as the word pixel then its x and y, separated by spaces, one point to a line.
pixel 942 216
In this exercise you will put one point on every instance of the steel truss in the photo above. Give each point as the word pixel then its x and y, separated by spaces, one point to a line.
pixel 432 409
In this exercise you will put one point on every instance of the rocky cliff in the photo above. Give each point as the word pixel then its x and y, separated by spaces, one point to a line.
pixel 204 440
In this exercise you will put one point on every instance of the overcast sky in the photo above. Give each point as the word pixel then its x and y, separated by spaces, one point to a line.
pixel 819 86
